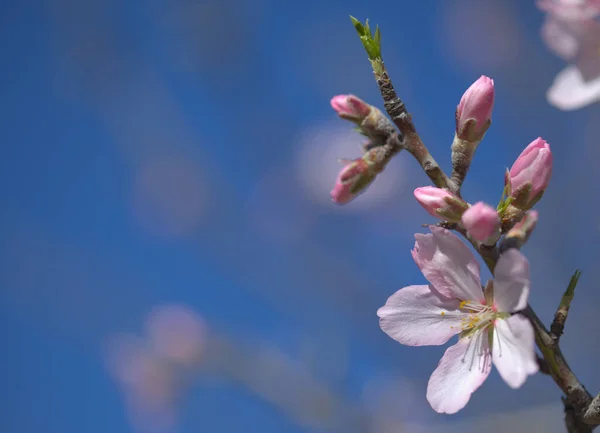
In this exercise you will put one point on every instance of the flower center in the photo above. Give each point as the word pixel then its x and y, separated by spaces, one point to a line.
pixel 478 316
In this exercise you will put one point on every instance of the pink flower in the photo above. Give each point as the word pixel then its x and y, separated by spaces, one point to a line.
pixel 571 10
pixel 440 203
pixel 455 304
pixel 475 105
pixel 353 179
pixel 533 168
pixel 350 107
pixel 572 31
pixel 481 221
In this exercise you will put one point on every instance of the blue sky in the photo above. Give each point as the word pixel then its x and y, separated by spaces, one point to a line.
pixel 169 152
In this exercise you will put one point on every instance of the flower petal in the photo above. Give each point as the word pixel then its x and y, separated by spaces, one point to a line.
pixel 513 350
pixel 570 91
pixel 462 369
pixel 420 316
pixel 562 37
pixel 511 281
pixel 448 264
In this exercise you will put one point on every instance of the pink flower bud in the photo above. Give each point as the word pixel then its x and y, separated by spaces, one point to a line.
pixel 350 107
pixel 476 106
pixel 532 170
pixel 440 203
pixel 352 179
pixel 481 221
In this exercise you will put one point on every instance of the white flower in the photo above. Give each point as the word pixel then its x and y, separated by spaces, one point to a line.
pixel 454 303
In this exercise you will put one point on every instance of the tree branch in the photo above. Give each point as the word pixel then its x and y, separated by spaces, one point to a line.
pixel 592 413
pixel 409 138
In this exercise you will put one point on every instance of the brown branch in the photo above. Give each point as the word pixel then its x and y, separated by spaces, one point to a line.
pixel 573 419
pixel 411 141
pixel 592 413
pixel 409 138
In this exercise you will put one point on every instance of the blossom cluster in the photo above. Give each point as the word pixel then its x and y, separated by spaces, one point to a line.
pixel 453 302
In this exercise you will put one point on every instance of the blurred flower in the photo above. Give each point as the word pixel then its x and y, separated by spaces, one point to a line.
pixel 454 303
pixel 530 174
pixel 151 370
pixel 176 333
pixel 571 31
pixel 481 221
pixel 475 106
pixel 440 203
pixel 479 35
pixel 149 384
pixel 571 10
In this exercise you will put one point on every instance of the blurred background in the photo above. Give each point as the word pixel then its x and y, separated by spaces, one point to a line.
pixel 170 259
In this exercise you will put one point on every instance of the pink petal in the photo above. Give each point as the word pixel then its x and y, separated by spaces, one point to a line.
pixel 448 264
pixel 420 316
pixel 177 333
pixel 511 281
pixel 460 372
pixel 562 37
pixel 570 91
pixel 513 350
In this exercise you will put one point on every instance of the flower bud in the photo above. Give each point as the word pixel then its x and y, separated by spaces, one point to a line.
pixel 352 179
pixel 474 112
pixel 350 107
pixel 482 222
pixel 440 203
pixel 530 174
pixel 519 234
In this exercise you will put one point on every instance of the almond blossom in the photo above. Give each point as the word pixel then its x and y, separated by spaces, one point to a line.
pixel 572 31
pixel 454 303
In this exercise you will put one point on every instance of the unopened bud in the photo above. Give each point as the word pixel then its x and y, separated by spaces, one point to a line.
pixel 482 223
pixel 474 112
pixel 441 203
pixel 530 174
pixel 350 107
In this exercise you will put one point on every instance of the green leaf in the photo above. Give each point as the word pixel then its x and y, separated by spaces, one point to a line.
pixel 378 37
pixel 372 44
pixel 358 26
pixel 570 292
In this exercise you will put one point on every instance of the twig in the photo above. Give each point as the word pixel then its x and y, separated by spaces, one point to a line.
pixel 543 365
pixel 573 419
pixel 410 139
pixel 558 324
